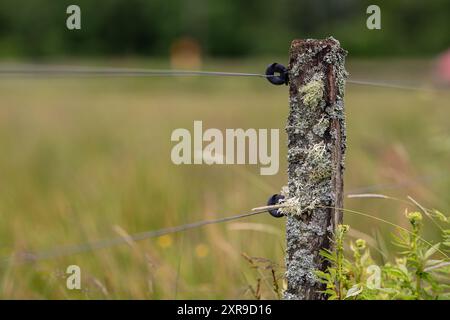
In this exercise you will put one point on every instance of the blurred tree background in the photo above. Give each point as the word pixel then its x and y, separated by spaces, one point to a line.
pixel 222 28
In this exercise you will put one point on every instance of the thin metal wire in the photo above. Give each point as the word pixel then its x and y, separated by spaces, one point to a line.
pixel 49 70
pixel 33 70
pixel 106 72
pixel 393 186
pixel 20 258
pixel 385 85
pixel 106 243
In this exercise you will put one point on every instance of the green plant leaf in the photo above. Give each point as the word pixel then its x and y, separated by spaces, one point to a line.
pixel 431 251
pixel 354 291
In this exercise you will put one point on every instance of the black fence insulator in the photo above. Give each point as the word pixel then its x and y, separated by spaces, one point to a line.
pixel 277 74
pixel 274 200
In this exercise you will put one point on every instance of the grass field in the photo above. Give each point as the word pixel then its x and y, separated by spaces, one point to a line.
pixel 86 159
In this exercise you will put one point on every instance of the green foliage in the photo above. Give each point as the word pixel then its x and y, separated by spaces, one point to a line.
pixel 221 27
pixel 420 271
pixel 336 277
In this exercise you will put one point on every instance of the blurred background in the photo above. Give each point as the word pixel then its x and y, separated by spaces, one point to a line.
pixel 221 28
pixel 86 158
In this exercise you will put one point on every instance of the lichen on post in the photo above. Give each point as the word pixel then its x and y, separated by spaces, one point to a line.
pixel 316 147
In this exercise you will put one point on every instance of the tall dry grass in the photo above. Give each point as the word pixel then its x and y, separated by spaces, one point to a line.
pixel 86 159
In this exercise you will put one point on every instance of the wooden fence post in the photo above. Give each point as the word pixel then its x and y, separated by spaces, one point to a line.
pixel 316 146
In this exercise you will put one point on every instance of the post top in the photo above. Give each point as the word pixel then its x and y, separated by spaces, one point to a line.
pixel 305 43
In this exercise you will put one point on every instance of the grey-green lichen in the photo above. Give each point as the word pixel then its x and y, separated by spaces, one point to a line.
pixel 322 126
pixel 315 125
pixel 319 162
pixel 315 167
pixel 300 261
pixel 309 127
pixel 313 91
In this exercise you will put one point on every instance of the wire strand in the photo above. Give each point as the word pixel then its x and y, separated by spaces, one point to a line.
pixel 68 250
pixel 385 85
pixel 394 186
pixel 33 70
pixel 106 243
pixel 52 70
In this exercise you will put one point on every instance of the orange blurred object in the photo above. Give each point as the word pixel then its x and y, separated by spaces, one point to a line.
pixel 185 53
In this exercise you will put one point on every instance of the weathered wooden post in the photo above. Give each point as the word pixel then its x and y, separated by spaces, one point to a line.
pixel 316 146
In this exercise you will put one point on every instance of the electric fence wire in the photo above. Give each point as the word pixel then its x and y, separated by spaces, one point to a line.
pixel 33 70
pixel 386 85
pixel 63 71
pixel 62 251
pixel 106 243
